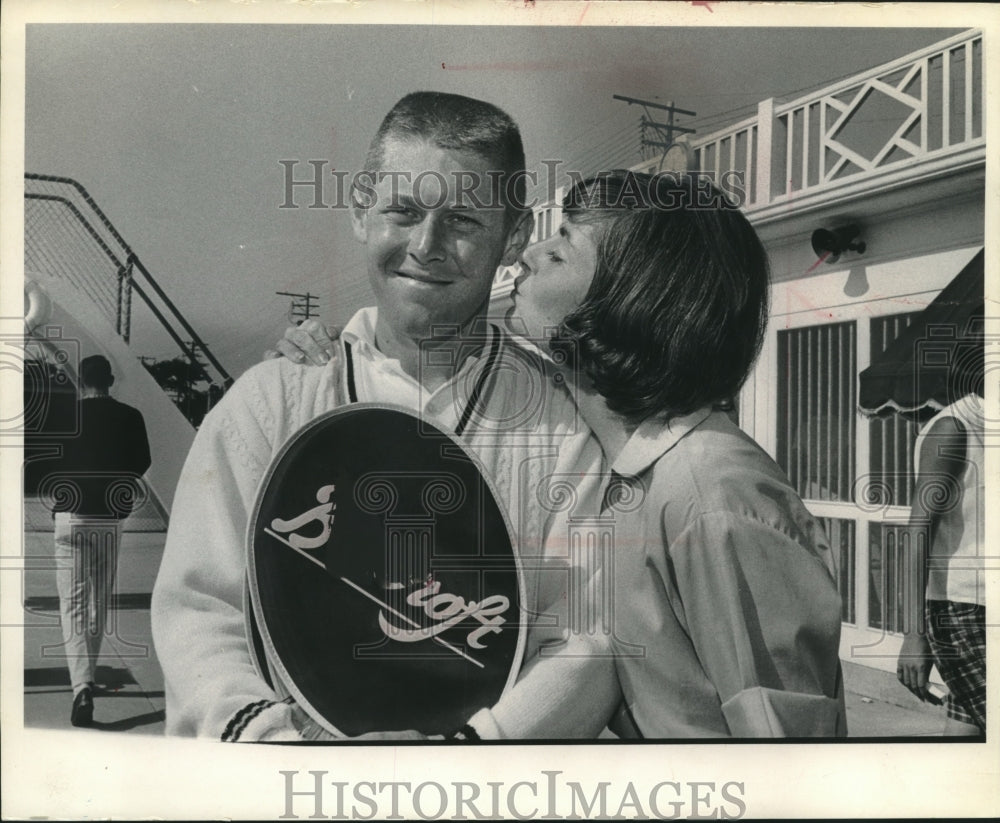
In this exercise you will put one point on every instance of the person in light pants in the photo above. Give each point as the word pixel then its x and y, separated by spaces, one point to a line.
pixel 86 562
pixel 94 485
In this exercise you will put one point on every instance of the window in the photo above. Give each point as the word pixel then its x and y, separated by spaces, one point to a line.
pixel 816 402
pixel 817 426
pixel 816 430
pixel 841 534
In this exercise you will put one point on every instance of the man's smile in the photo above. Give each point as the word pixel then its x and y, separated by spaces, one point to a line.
pixel 423 278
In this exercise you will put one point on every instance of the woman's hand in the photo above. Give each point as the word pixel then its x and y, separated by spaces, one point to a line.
pixel 311 343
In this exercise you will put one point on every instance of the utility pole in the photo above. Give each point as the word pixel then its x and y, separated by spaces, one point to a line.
pixel 194 356
pixel 196 374
pixel 665 131
pixel 302 306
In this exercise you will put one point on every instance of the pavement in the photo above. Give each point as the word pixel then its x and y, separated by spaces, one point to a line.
pixel 130 684
pixel 873 717
pixel 130 698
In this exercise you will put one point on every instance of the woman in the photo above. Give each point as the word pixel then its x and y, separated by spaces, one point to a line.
pixel 719 597
pixel 726 618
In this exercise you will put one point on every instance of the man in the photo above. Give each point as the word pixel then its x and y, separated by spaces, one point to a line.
pixel 431 253
pixel 99 467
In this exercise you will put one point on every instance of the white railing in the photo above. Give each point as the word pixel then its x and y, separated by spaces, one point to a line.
pixel 922 113
pixel 732 150
pixel 923 107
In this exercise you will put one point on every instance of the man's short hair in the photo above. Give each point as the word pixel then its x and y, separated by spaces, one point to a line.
pixel 676 312
pixel 95 372
pixel 458 123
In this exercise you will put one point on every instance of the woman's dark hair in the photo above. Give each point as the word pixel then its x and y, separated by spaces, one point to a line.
pixel 676 312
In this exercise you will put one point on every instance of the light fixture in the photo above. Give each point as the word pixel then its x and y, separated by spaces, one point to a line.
pixel 829 244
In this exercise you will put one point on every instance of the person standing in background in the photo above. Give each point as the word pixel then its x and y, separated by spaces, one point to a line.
pixel 98 472
pixel 946 613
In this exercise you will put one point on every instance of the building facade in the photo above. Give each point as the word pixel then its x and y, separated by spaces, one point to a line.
pixel 899 152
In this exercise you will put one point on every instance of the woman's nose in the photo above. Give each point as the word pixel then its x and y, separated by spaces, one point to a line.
pixel 525 259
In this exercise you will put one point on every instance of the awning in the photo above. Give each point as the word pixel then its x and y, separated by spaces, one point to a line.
pixel 911 377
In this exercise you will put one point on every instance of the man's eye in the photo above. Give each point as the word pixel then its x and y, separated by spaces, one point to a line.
pixel 464 220
pixel 399 211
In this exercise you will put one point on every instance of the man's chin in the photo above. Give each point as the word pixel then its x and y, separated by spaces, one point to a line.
pixel 428 325
pixel 424 313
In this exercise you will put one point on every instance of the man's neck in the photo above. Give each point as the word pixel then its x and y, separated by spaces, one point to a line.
pixel 414 354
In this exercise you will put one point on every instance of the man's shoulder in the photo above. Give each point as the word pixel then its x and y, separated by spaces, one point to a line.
pixel 265 373
pixel 279 394
pixel 523 360
pixel 519 346
pixel 123 411
pixel 945 425
pixel 532 392
pixel 279 373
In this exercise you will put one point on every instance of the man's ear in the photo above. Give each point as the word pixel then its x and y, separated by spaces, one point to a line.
pixel 358 216
pixel 518 238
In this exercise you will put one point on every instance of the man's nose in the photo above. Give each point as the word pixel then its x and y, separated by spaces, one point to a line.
pixel 427 241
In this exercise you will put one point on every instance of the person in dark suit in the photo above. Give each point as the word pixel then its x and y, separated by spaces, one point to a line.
pixel 97 478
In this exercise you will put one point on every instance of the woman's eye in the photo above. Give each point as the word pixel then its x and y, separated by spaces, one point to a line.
pixel 555 258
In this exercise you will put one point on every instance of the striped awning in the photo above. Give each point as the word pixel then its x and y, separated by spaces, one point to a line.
pixel 911 377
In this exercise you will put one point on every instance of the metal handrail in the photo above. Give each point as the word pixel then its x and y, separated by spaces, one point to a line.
pixel 126 268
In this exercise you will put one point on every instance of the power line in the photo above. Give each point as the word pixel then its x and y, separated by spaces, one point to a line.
pixel 616 136
pixel 595 129
pixel 623 143
pixel 626 145
pixel 663 132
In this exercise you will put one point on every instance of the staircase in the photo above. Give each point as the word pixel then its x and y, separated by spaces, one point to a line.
pixel 87 292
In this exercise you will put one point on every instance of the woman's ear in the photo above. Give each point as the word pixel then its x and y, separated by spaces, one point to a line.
pixel 517 239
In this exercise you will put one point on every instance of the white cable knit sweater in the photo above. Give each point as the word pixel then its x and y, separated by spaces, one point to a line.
pixel 212 686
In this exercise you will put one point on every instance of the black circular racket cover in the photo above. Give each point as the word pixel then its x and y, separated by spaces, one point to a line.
pixel 383 580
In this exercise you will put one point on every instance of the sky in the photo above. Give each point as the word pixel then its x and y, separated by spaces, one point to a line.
pixel 177 131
